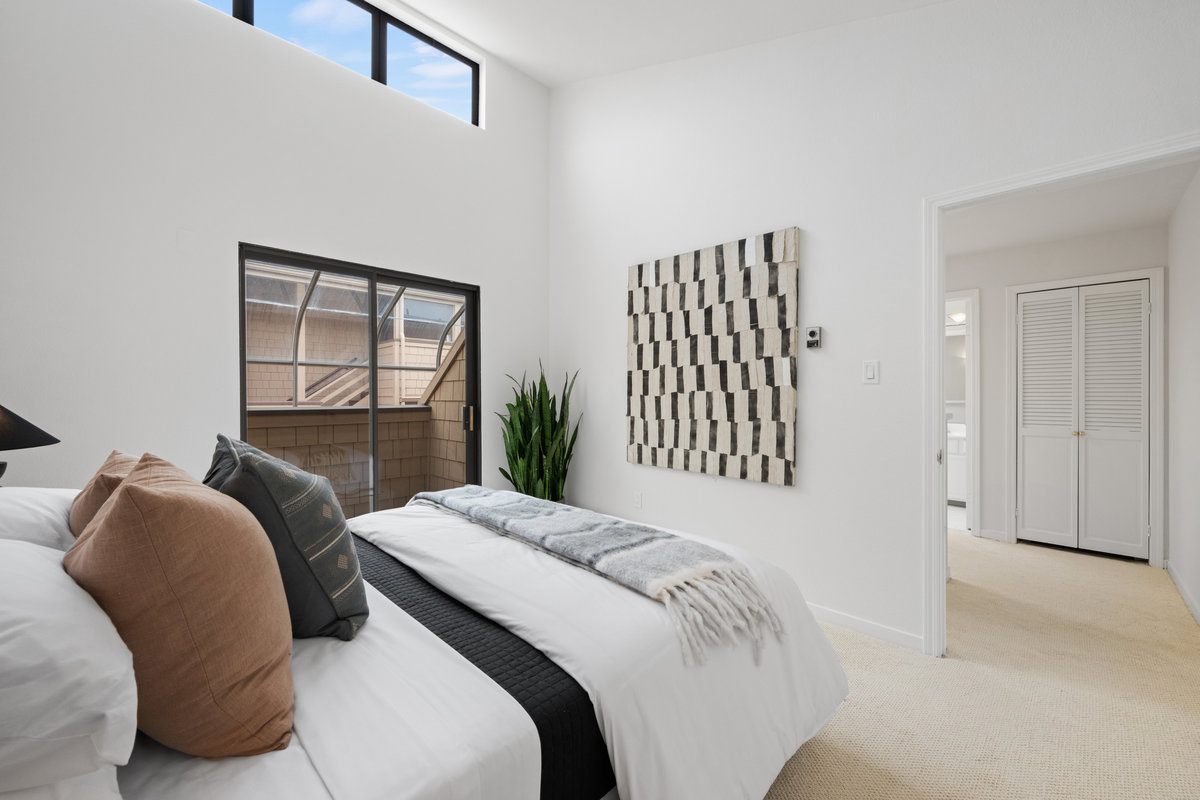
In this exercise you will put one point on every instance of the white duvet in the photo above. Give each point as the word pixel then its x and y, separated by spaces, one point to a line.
pixel 396 713
pixel 722 730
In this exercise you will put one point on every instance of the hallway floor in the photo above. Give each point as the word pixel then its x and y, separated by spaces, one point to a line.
pixel 1068 676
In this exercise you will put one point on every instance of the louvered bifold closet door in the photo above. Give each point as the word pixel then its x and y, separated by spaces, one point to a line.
pixel 1114 438
pixel 1047 404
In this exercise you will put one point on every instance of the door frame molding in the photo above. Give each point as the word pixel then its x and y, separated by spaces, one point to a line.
pixel 1161 153
pixel 973 334
pixel 1158 386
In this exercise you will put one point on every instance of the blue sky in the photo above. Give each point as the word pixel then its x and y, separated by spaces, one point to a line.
pixel 341 32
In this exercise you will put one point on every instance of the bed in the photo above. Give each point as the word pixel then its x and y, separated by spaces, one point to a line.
pixel 490 669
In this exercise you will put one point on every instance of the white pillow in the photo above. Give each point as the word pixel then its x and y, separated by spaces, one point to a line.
pixel 66 679
pixel 37 515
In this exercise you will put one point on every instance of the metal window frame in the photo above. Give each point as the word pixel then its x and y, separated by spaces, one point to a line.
pixel 373 275
pixel 380 19
pixel 340 364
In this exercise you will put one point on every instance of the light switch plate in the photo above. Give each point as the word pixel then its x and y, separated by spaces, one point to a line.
pixel 870 373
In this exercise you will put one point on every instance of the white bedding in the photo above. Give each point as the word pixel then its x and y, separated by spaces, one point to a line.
pixel 398 714
pixel 722 730
pixel 155 772
pixel 394 713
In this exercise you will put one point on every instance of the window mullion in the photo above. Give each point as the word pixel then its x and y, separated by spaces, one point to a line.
pixel 379 47
pixel 474 94
pixel 373 389
pixel 244 10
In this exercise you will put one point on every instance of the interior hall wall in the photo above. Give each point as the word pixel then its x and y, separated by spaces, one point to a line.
pixel 1183 470
pixel 992 272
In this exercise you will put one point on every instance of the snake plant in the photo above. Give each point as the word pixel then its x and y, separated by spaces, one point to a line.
pixel 538 438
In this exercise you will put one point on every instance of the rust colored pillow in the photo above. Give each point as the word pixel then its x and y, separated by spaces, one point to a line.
pixel 99 488
pixel 190 581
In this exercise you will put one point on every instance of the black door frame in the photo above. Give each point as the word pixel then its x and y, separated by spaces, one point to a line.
pixel 373 275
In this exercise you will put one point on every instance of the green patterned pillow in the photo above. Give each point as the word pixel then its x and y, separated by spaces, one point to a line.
pixel 305 524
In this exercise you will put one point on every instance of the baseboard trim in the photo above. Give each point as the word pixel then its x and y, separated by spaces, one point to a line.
pixel 999 536
pixel 872 629
pixel 1189 599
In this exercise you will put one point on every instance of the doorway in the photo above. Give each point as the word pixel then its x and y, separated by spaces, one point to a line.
pixel 1082 176
pixel 961 391
pixel 367 376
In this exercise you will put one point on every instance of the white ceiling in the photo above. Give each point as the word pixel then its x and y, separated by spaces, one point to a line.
pixel 561 41
pixel 1082 208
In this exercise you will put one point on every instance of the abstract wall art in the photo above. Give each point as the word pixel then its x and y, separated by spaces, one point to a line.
pixel 711 371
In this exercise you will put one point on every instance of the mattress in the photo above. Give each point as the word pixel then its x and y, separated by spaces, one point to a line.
pixel 400 713
pixel 718 731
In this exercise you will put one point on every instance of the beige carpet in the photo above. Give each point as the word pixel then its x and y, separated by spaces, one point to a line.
pixel 1067 676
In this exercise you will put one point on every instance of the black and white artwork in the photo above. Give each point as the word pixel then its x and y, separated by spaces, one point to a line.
pixel 711 369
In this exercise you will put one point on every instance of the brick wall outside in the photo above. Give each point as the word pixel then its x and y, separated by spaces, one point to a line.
pixel 421 447
pixel 447 439
pixel 336 444
pixel 404 386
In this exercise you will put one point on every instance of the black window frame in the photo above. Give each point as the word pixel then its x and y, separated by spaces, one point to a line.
pixel 373 276
pixel 380 19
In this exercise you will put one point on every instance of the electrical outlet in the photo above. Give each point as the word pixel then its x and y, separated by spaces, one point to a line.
pixel 637 499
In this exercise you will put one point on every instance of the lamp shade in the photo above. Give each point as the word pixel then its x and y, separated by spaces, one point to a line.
pixel 17 434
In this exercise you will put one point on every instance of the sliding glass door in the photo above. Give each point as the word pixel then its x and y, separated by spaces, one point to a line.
pixel 367 376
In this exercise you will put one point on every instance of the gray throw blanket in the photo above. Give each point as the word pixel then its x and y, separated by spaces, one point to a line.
pixel 709 595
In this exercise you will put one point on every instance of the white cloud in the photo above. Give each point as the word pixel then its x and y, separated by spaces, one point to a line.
pixel 337 15
pixel 438 70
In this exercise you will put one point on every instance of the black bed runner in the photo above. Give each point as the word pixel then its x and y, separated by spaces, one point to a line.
pixel 575 763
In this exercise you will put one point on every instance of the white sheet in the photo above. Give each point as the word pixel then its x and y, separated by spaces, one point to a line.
pixel 720 731
pixel 395 713
pixel 155 772
pixel 100 784
pixel 398 713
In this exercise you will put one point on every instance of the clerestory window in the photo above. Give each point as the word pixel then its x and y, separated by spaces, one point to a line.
pixel 373 43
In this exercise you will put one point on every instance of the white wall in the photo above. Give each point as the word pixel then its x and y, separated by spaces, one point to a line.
pixel 954 371
pixel 992 272
pixel 143 139
pixel 842 132
pixel 1184 399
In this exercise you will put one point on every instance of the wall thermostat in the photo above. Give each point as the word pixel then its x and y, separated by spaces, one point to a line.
pixel 812 337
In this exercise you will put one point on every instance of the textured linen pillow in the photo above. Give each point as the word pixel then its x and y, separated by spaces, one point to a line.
pixel 190 582
pixel 304 522
pixel 37 515
pixel 68 701
pixel 97 490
